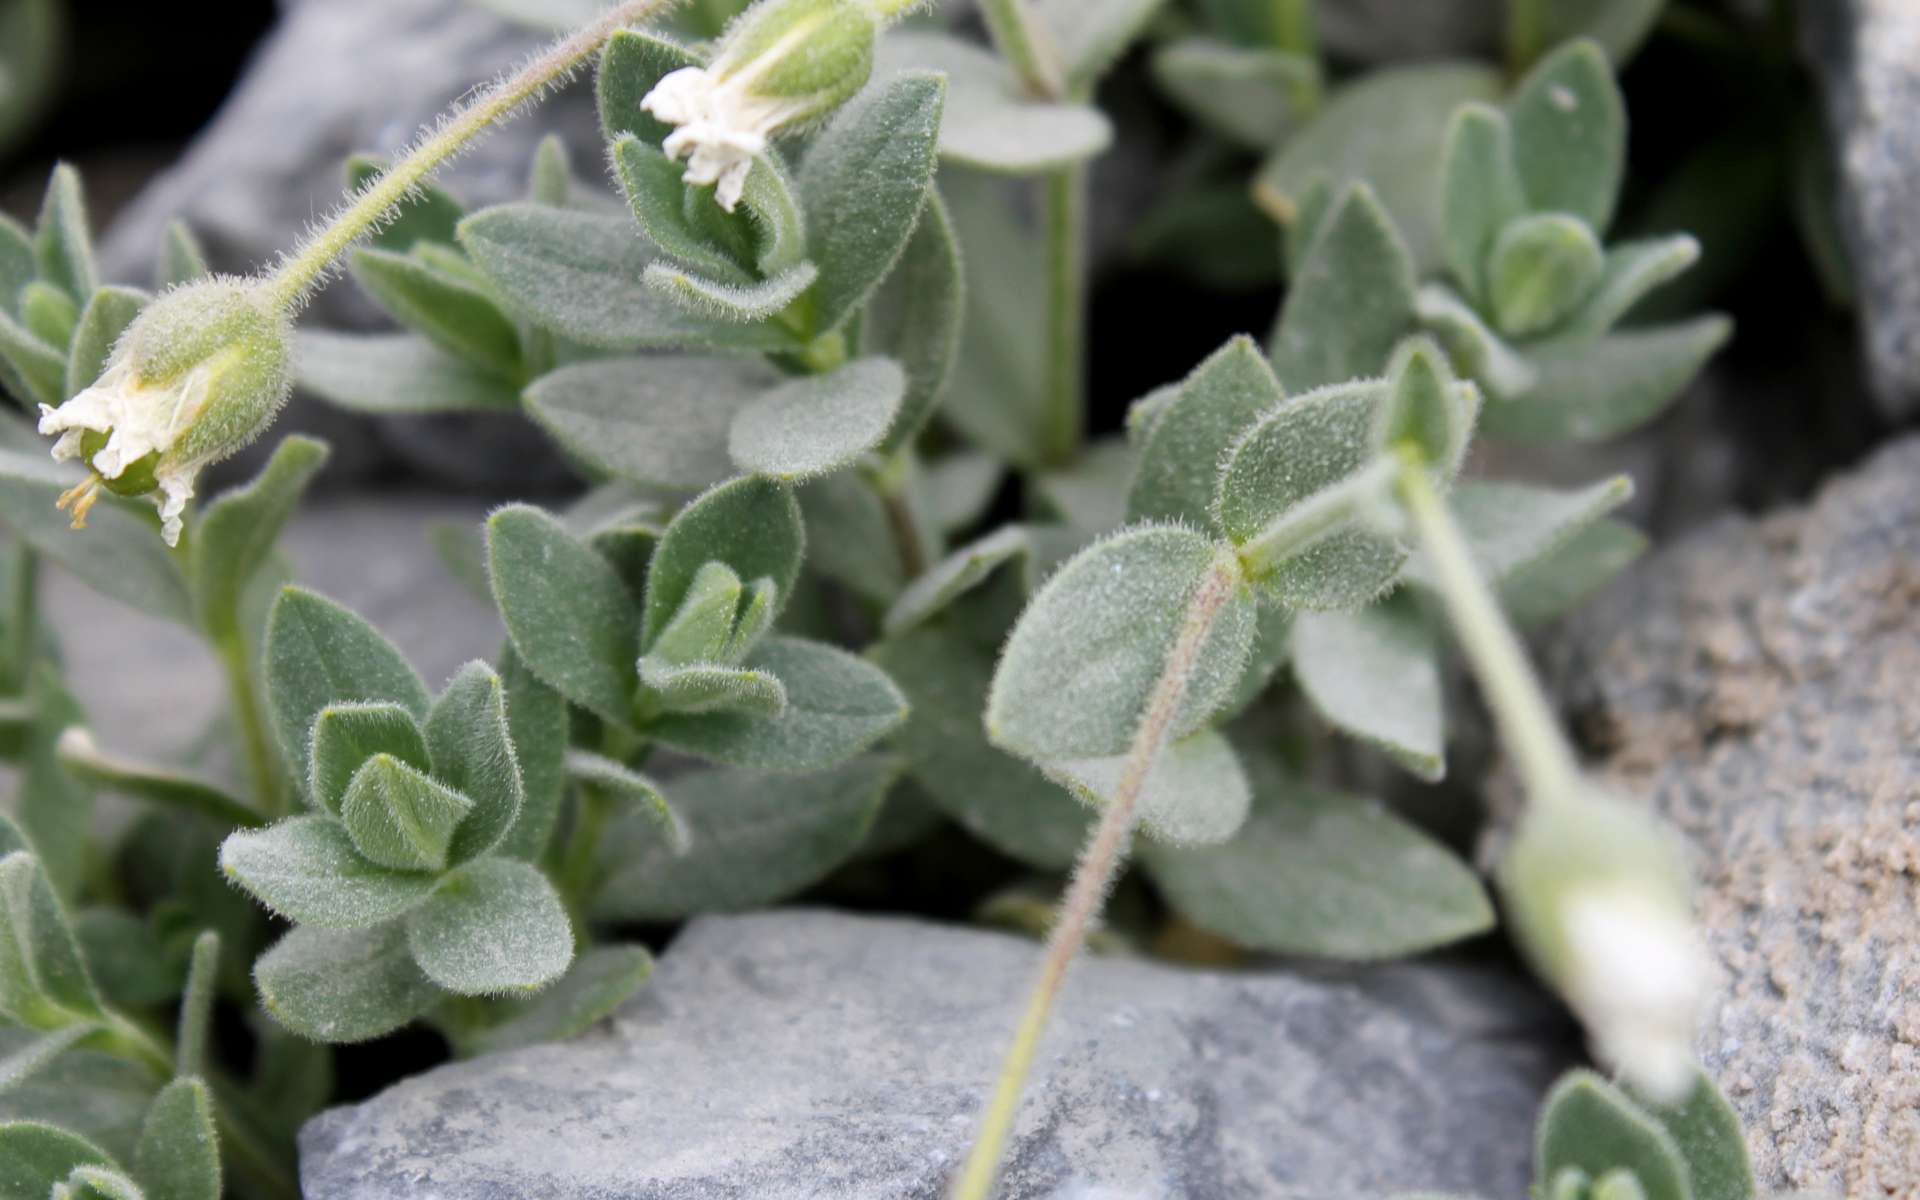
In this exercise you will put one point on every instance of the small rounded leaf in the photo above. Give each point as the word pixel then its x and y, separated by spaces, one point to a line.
pixel 492 926
pixel 343 985
pixel 1543 267
pixel 812 426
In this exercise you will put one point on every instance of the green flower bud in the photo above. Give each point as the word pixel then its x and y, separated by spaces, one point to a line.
pixel 197 376
pixel 782 65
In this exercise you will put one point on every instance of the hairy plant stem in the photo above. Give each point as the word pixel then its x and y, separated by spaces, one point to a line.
pixel 263 765
pixel 1065 230
pixel 1493 651
pixel 1094 874
pixel 303 268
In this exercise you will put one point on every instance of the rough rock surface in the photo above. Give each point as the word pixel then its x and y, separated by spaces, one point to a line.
pixel 1868 55
pixel 1761 681
pixel 811 1054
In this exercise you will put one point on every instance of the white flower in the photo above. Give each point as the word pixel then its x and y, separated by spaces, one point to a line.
pixel 1636 974
pixel 723 127
pixel 138 421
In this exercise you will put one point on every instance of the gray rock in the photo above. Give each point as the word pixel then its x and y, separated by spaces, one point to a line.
pixel 810 1054
pixel 1758 680
pixel 1867 53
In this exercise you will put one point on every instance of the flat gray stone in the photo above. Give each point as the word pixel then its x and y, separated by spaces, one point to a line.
pixel 812 1054
pixel 1760 680
pixel 1867 53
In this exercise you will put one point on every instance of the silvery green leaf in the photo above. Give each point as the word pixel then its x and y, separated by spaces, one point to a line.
pixel 33 371
pixel 702 625
pixel 318 654
pixel 38 1157
pixel 346 734
pixel 237 532
pixel 537 721
pixel 17 268
pixel 837 706
pixel 864 183
pixel 1511 526
pixel 959 573
pixel 343 985
pixel 915 319
pixel 1351 300
pixel 195 1022
pixel 491 926
pixel 1593 389
pixel 959 486
pixel 652 184
pixel 1196 794
pixel 752 840
pixel 1386 129
pixel 430 213
pixel 1092 34
pixel 850 538
pixel 307 870
pixel 1253 95
pixel 581 274
pixel 550 179
pixel 17 1065
pixel 1570 134
pixel 571 619
pixel 1590 1125
pixel 1291 493
pixel 43 980
pixel 998 388
pixel 155 783
pixel 708 688
pixel 49 313
pixel 818 424
pixel 1543 266
pixel 1558 581
pixel 386 373
pixel 640 795
pixel 597 983
pixel 182 259
pixel 178 1156
pixel 1180 459
pixel 55 808
pixel 990 122
pixel 742 303
pixel 750 524
pixel 450 310
pixel 994 796
pixel 473 753
pixel 119 554
pixel 107 314
pixel 1632 270
pixel 62 246
pixel 1480 192
pixel 1090 495
pixel 1080 666
pixel 93 1093
pixel 1374 673
pixel 400 818
pixel 631 64
pixel 1707 1133
pixel 1305 876
pixel 1479 351
pixel 653 422
pixel 1426 407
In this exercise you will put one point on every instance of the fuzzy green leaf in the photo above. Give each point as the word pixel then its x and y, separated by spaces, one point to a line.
pixel 752 525
pixel 472 749
pixel 1511 526
pixel 837 706
pixel 1180 462
pixel 450 310
pixel 1351 300
pixel 1542 267
pixel 396 373
pixel 178 1156
pixel 864 183
pixel 307 870
pixel 640 794
pixel 990 122
pixel 850 538
pixel 958 574
pixel 400 818
pixel 120 554
pixel 915 319
pixel 35 1157
pixel 631 64
pixel 1425 408
pixel 347 734
pixel 1480 192
pixel 318 654
pixel 105 318
pixel 1570 134
pixel 652 184
pixel 1589 390
pixel 492 926
pixel 1091 35
pixel 1375 674
pixel 1472 343
pixel 1707 1133
pixel 752 840
pixel 581 274
pixel 537 722
pixel 19 1065
pixel 33 371
pixel 1253 95
pixel 1087 654
pixel 720 301
pixel 48 313
pixel 571 619
pixel 1632 270
pixel 154 783
pixel 43 980
pixel 62 246
pixel 1590 1125
pixel 1196 794
pixel 1305 877
pixel 195 1023
pixel 17 268
pixel 598 982
pixel 181 259
pixel 429 214
pixel 238 530
pixel 707 688
pixel 1559 580
pixel 818 424
pixel 998 392
pixel 343 985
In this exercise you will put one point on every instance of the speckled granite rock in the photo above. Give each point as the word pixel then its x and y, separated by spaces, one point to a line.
pixel 810 1054
pixel 1868 55
pixel 1761 681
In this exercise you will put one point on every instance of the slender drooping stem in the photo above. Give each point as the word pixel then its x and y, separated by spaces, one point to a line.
pixel 1094 874
pixel 1493 651
pixel 1065 231
pixel 302 269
